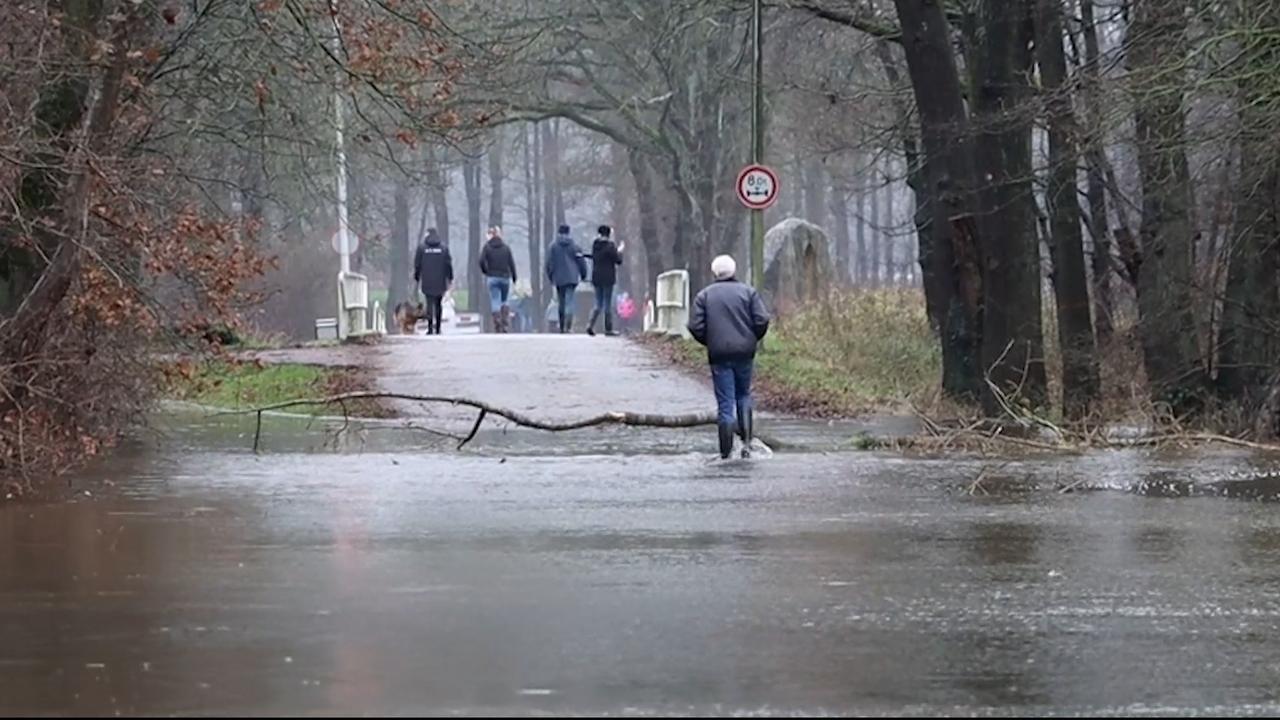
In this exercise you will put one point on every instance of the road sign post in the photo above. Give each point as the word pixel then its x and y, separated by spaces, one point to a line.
pixel 757 136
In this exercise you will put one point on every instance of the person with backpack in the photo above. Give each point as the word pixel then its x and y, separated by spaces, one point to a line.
pixel 499 268
pixel 605 259
pixel 433 271
pixel 565 268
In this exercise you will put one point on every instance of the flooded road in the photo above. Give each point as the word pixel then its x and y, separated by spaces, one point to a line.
pixel 534 578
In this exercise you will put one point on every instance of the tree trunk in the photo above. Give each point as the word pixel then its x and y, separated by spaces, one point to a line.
pixel 1250 347
pixel 555 163
pixel 549 180
pixel 1080 382
pixel 23 334
pixel 533 213
pixel 400 272
pixel 1099 223
pixel 475 282
pixel 440 196
pixel 890 226
pixel 863 275
pixel 1167 231
pixel 840 219
pixel 620 211
pixel 495 181
pixel 877 228
pixel 950 172
pixel 647 209
pixel 815 181
pixel 1012 335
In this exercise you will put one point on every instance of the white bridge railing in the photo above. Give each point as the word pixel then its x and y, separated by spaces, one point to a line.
pixel 353 307
pixel 669 314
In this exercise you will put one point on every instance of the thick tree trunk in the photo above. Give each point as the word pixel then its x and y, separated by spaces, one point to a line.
pixel 1080 384
pixel 1099 223
pixel 475 282
pixel 1168 228
pixel 647 209
pixel 1012 335
pixel 1250 336
pixel 950 173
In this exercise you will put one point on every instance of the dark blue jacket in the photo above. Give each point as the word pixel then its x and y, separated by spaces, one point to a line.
pixel 565 263
pixel 729 318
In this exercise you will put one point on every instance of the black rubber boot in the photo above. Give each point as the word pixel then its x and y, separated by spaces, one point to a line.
pixel 608 325
pixel 745 432
pixel 591 324
pixel 726 441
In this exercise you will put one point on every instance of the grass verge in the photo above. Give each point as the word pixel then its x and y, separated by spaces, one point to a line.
pixel 856 353
pixel 235 385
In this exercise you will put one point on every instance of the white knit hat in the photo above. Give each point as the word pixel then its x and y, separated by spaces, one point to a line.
pixel 723 267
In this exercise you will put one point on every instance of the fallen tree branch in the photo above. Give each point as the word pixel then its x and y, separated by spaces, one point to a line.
pixel 631 419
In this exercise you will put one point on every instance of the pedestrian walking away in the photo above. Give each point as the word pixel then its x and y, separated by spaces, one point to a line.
pixel 605 259
pixel 433 271
pixel 565 268
pixel 729 318
pixel 499 268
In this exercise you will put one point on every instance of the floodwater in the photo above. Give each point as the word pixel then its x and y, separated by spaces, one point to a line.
pixel 379 574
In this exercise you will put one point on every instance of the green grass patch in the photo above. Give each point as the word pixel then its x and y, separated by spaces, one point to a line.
pixel 856 352
pixel 244 385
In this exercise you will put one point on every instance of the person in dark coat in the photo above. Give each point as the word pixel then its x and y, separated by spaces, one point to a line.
pixel 565 268
pixel 499 268
pixel 730 320
pixel 433 270
pixel 605 259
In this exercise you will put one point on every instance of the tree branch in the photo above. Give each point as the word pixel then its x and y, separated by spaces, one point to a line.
pixel 630 419
pixel 863 22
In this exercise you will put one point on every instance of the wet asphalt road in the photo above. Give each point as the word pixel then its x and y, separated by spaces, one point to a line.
pixel 385 578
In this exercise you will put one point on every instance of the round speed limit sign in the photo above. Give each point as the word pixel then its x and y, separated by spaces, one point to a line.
pixel 757 187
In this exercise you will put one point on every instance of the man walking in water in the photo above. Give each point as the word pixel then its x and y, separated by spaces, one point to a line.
pixel 730 320
pixel 433 270
pixel 566 267
pixel 499 268
pixel 605 259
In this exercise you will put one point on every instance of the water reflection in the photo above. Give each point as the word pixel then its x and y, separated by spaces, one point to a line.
pixel 308 581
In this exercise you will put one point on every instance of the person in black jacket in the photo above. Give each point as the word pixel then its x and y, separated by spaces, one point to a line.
pixel 499 268
pixel 605 259
pixel 730 320
pixel 433 270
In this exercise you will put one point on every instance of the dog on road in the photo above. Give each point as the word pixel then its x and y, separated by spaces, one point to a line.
pixel 407 316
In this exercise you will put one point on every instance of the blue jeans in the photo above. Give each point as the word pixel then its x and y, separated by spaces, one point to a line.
pixel 499 290
pixel 732 382
pixel 565 295
pixel 604 299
